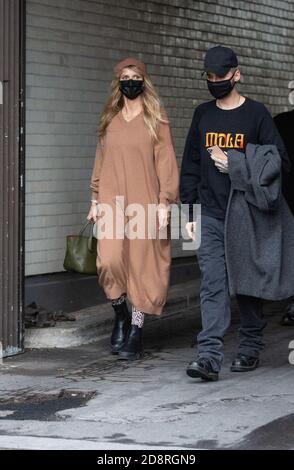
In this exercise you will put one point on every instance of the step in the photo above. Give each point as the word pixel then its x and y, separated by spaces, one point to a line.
pixel 96 322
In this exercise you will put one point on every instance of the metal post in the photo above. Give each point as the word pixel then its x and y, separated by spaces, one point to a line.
pixel 12 13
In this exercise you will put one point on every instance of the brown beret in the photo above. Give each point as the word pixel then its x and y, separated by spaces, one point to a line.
pixel 130 61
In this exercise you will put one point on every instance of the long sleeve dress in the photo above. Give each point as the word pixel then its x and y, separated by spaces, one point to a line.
pixel 129 165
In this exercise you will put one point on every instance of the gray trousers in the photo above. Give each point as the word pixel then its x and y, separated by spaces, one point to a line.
pixel 215 300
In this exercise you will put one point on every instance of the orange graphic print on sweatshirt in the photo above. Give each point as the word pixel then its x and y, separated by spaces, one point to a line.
pixel 229 141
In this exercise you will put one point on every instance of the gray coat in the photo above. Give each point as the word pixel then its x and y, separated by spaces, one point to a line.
pixel 259 226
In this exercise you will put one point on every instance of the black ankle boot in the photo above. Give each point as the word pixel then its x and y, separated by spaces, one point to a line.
pixel 133 347
pixel 122 323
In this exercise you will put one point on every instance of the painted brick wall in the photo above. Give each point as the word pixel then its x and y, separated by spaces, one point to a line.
pixel 72 46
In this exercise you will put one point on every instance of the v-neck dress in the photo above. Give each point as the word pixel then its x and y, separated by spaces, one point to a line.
pixel 129 167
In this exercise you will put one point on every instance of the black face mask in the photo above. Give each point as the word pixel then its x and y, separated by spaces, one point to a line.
pixel 131 88
pixel 222 88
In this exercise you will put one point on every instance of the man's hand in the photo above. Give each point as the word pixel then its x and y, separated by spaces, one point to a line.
pixel 221 163
pixel 191 229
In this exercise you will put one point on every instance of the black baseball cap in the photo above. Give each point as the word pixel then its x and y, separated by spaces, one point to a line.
pixel 220 60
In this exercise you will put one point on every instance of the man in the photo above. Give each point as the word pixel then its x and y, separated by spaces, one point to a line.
pixel 230 121
pixel 285 125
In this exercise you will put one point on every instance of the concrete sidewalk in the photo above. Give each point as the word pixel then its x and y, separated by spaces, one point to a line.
pixel 83 398
pixel 95 322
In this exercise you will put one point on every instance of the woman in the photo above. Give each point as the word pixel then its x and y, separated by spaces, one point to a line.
pixel 134 163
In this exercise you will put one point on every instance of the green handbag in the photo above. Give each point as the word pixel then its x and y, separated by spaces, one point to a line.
pixel 81 252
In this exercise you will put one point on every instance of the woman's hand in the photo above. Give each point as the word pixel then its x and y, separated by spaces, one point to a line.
pixel 163 215
pixel 191 229
pixel 93 212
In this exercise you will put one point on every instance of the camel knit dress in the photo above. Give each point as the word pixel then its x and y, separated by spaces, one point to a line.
pixel 129 165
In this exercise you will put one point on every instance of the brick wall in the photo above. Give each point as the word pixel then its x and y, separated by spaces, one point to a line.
pixel 72 46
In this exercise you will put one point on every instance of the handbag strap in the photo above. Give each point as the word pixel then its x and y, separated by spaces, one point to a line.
pixel 85 226
pixel 90 238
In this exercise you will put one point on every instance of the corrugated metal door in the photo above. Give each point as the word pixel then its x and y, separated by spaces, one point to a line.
pixel 11 176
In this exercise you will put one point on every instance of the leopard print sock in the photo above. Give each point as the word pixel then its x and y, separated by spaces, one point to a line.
pixel 137 317
pixel 119 300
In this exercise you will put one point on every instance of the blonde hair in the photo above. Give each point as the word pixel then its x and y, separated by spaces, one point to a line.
pixel 153 112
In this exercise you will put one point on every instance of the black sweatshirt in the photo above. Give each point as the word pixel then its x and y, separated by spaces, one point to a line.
pixel 201 182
